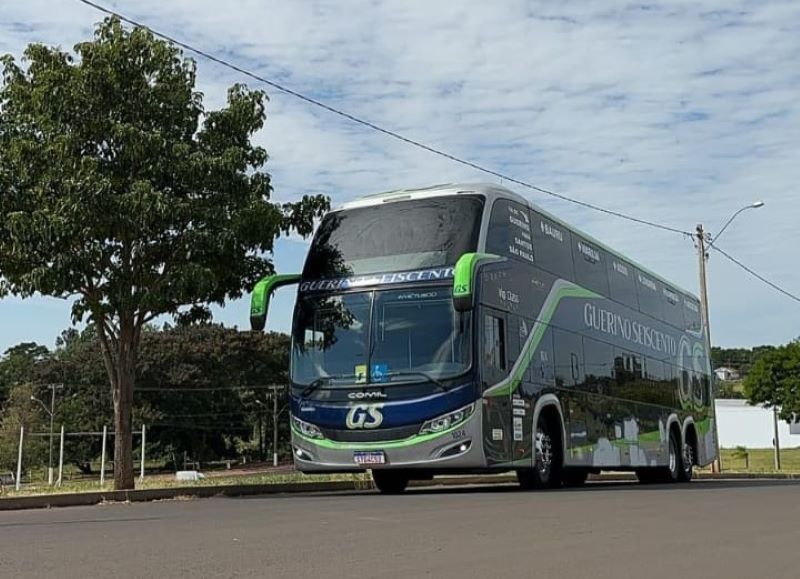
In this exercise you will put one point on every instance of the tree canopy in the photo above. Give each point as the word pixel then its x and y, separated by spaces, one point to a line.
pixel 121 192
pixel 774 380
pixel 201 391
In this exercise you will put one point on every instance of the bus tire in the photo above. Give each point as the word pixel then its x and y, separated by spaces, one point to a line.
pixel 664 474
pixel 687 463
pixel 390 482
pixel 548 457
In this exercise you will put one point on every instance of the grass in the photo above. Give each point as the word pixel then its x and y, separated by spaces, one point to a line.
pixel 733 460
pixel 760 460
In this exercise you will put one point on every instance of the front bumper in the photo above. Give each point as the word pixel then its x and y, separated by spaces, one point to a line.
pixel 458 447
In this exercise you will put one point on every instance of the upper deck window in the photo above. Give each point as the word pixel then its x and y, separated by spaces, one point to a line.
pixel 509 232
pixel 590 266
pixel 552 244
pixel 395 236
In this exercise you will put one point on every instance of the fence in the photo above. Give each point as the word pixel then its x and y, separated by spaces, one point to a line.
pixel 80 468
pixel 19 475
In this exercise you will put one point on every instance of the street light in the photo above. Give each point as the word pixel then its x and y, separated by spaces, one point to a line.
pixel 703 256
pixel 51 412
pixel 754 205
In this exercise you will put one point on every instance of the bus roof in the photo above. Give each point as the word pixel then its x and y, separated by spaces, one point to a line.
pixel 492 192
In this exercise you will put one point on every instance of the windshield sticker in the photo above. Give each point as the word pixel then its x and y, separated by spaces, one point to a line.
pixel 360 373
pixel 377 279
pixel 379 372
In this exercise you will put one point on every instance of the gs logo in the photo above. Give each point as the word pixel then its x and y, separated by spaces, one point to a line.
pixel 364 416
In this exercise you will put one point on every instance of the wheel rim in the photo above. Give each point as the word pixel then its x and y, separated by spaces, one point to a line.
pixel 688 458
pixel 544 452
pixel 673 457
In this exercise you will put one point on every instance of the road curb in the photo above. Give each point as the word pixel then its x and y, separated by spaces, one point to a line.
pixel 146 495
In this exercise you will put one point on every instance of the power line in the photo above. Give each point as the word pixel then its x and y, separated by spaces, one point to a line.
pixel 377 128
pixel 756 275
pixel 178 390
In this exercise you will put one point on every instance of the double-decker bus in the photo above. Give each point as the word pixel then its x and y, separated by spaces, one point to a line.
pixel 461 329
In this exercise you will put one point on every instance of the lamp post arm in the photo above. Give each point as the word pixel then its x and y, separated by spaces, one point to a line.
pixel 43 405
pixel 724 227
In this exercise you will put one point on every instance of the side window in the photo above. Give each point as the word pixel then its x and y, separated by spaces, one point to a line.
pixel 671 307
pixel 692 320
pixel 552 244
pixel 599 365
pixel 590 266
pixel 568 358
pixel 524 328
pixel 654 370
pixel 494 342
pixel 542 371
pixel 509 233
pixel 622 285
pixel 649 293
pixel 627 366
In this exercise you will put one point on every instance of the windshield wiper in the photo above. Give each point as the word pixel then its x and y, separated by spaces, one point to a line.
pixel 421 374
pixel 316 384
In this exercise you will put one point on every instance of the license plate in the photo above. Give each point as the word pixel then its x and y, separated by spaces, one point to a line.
pixel 376 457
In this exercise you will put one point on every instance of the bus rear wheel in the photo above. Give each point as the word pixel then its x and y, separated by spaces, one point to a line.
pixel 390 482
pixel 546 472
pixel 687 463
pixel 665 474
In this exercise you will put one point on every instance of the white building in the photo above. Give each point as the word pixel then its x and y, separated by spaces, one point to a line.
pixel 725 374
pixel 739 424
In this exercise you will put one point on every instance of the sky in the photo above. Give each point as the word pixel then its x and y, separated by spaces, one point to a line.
pixel 679 112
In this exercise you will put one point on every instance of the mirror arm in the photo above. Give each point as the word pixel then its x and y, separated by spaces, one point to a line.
pixel 465 277
pixel 262 292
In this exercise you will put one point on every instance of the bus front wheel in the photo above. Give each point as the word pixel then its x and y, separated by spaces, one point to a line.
pixel 390 482
pixel 547 469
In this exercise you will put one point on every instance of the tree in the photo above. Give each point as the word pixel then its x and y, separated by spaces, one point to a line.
pixel 19 410
pixel 17 366
pixel 202 382
pixel 774 380
pixel 740 359
pixel 118 190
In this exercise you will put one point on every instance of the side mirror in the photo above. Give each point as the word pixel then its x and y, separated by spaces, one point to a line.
pixel 465 276
pixel 259 302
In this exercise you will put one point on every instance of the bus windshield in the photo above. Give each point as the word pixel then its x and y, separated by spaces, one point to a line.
pixel 396 236
pixel 379 337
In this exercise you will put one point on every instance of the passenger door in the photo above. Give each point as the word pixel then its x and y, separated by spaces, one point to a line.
pixel 494 362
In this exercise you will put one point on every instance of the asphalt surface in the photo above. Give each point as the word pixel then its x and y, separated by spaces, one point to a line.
pixel 724 529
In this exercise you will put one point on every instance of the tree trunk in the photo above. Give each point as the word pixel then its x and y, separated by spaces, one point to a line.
pixel 123 427
pixel 119 355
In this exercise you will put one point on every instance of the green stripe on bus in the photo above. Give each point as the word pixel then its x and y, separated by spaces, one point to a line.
pixel 406 442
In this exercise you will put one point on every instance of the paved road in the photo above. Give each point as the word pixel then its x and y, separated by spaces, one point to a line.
pixel 706 529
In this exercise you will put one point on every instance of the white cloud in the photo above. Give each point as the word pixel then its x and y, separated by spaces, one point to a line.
pixel 679 112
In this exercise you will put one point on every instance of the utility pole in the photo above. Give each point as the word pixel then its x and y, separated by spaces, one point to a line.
pixel 275 390
pixel 716 466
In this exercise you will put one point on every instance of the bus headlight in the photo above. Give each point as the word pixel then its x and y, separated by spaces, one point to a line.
pixel 446 421
pixel 306 429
